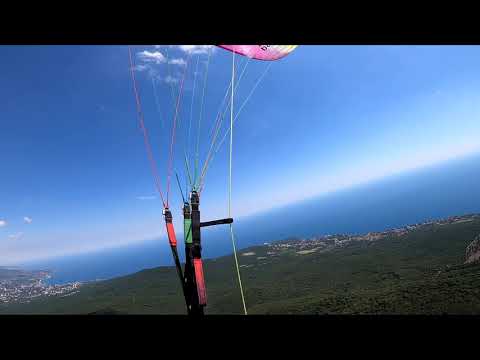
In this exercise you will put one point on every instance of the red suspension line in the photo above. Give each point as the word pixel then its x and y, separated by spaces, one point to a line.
pixel 144 129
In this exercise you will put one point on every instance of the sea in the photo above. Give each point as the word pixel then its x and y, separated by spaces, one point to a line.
pixel 436 192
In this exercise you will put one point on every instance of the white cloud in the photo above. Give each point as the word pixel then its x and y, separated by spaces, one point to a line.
pixel 151 72
pixel 16 236
pixel 171 80
pixel 146 197
pixel 3 223
pixel 196 49
pixel 141 67
pixel 27 220
pixel 148 56
pixel 179 61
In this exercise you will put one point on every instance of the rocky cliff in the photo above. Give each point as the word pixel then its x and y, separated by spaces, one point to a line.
pixel 473 251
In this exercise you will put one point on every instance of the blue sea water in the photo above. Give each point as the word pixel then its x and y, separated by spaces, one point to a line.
pixel 436 192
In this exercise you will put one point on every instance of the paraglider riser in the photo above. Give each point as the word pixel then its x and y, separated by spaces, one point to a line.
pixel 195 291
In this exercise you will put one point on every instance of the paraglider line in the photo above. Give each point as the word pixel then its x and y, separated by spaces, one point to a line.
pixel 230 188
pixel 200 120
pixel 180 187
pixel 234 120
pixel 169 174
pixel 191 115
pixel 144 129
pixel 218 123
pixel 207 164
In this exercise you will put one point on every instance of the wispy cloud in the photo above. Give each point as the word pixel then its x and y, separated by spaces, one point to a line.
pixel 171 80
pixel 3 223
pixel 146 197
pixel 16 236
pixel 178 61
pixel 27 220
pixel 141 67
pixel 193 49
pixel 149 69
pixel 196 49
pixel 152 56
pixel 150 60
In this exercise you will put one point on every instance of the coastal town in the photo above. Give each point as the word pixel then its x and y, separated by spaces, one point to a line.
pixel 24 286
pixel 303 246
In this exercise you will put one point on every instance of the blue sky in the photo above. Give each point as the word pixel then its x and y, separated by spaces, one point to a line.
pixel 75 175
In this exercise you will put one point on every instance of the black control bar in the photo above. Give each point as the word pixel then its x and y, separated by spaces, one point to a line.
pixel 217 222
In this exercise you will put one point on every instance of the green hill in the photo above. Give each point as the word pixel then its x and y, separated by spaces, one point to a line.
pixel 418 272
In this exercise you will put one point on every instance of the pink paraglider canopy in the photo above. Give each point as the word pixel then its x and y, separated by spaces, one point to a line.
pixel 261 52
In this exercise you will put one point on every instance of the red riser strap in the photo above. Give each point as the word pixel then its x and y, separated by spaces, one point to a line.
pixel 199 279
pixel 171 235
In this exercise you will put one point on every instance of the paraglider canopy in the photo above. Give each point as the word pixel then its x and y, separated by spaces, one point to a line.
pixel 261 52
